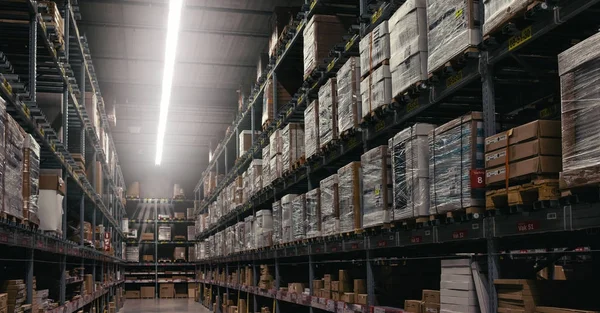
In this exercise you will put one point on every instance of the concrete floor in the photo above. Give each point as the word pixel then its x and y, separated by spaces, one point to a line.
pixel 162 305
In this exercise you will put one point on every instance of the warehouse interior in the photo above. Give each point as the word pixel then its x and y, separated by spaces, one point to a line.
pixel 275 156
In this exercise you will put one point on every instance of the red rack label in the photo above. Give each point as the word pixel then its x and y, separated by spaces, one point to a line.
pixel 416 239
pixel 459 234
pixel 528 226
pixel 477 178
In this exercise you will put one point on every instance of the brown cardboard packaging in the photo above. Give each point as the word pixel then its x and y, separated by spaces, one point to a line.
pixel 318 284
pixel 233 309
pixel 335 296
pixel 242 306
pixel 179 253
pixel 349 191
pixel 343 276
pixel 431 307
pixel 326 293
pixel 179 215
pixel 147 292
pixel 147 236
pixel 296 287
pixel 335 285
pixel 327 281
pixel 148 258
pixel 3 301
pixel 132 294
pixel 431 296
pixel 537 165
pixel 88 282
pixel 413 306
pixel 348 297
pixel 53 182
pixel 361 298
pixel 167 290
pixel 359 286
pixel 542 146
pixel 533 130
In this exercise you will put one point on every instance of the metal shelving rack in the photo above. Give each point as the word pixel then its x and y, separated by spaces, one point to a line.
pixel 146 215
pixel 28 43
pixel 516 69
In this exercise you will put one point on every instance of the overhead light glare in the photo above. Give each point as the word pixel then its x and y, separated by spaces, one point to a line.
pixel 175 7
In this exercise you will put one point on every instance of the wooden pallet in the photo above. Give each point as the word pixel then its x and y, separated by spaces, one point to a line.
pixel 378 228
pixel 455 216
pixel 376 67
pixel 412 92
pixel 415 222
pixel 453 65
pixel 581 194
pixel 537 194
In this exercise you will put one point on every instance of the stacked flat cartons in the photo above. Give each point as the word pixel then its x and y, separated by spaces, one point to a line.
pixel 313 213
pixel 330 223
pixel 457 288
pixel 349 191
pixel 376 186
pixel 311 129
pixel 286 217
pixel 299 217
pixel 328 130
pixel 292 138
pixel 348 95
pixel 376 85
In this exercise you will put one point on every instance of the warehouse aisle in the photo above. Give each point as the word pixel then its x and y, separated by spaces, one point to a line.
pixel 163 305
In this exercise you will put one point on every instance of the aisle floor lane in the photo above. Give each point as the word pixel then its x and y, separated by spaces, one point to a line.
pixel 163 306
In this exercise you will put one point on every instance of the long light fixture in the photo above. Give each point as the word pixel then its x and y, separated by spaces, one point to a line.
pixel 175 7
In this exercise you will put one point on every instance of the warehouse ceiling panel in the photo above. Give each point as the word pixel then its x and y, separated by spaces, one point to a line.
pixel 218 49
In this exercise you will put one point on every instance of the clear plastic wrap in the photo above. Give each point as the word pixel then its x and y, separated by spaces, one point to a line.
pixel 277 235
pixel 267 110
pixel 246 180
pixel 263 228
pixel 13 168
pixel 328 112
pixel 249 232
pixel 229 240
pixel 579 70
pixel 499 12
pixel 133 254
pixel 292 138
pixel 408 40
pixel 311 129
pixel 266 172
pixel 31 179
pixel 453 28
pixel 286 217
pixel 376 89
pixel 348 95
pixel 376 186
pixel 275 143
pixel 299 217
pixel 240 228
pixel 313 213
pixel 409 150
pixel 349 197
pixel 455 160
pixel 330 223
pixel 374 48
pixel 255 176
pixel 276 167
pixel 321 33
pixel 245 142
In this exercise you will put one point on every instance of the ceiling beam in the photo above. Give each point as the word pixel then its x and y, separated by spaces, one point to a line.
pixel 161 28
pixel 158 84
pixel 161 4
pixel 136 59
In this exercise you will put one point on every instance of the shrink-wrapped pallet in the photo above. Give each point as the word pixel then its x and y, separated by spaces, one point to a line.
pixel 376 89
pixel 499 12
pixel 349 197
pixel 266 172
pixel 240 228
pixel 348 95
pixel 456 164
pixel 328 112
pixel 286 217
pixel 277 231
pixel 292 138
pixel 249 232
pixel 321 34
pixel 14 137
pixel 374 48
pixel 409 150
pixel 246 185
pixel 31 179
pixel 311 129
pixel 313 213
pixel 299 217
pixel 255 172
pixel 453 28
pixel 579 70
pixel 283 97
pixel 263 229
pixel 376 186
pixel 275 143
pixel 275 167
pixel 330 223
pixel 408 33
pixel 229 240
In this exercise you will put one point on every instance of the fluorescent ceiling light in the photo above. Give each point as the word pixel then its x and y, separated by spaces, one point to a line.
pixel 169 67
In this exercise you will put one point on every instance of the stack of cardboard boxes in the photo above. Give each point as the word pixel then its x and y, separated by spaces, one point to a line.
pixel 376 85
pixel 292 139
pixel 328 126
pixel 16 291
pixel 167 291
pixel 340 288
pixel 457 287
pixel 348 95
pixel 321 33
pixel 430 303
pixel 266 279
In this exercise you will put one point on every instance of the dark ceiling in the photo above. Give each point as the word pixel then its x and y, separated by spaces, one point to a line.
pixel 218 49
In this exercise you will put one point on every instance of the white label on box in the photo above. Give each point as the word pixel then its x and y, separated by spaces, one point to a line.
pixel 495 173
pixel 493 156
pixel 496 139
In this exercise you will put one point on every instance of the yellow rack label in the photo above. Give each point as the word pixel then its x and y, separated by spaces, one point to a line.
pixel 517 40
pixel 376 16
pixel 454 79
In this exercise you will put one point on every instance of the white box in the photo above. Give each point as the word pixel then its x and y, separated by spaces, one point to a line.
pixel 457 285
pixel 457 278
pixel 459 300
pixel 376 89
pixel 456 263
pixel 456 308
pixel 50 210
pixel 457 271
pixel 374 48
pixel 457 293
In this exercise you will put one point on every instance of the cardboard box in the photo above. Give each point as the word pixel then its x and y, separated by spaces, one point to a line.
pixel 167 290
pixel 359 286
pixel 361 298
pixel 517 152
pixel 179 253
pixel 326 293
pixel 335 296
pixel 3 300
pixel 431 296
pixel 296 287
pixel 147 292
pixel 88 282
pixel 242 306
pixel 147 236
pixel 53 182
pixel 327 281
pixel 148 258
pixel 537 165
pixel 335 285
pixel 132 294
pixel 318 284
pixel 431 307
pixel 179 215
pixel 533 130
pixel 343 276
pixel 348 297
pixel 413 306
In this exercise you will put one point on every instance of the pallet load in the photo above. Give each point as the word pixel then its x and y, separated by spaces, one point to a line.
pixel 52 191
pixel 456 165
pixel 164 233
pixel 311 130
pixel 292 138
pixel 376 176
pixel 452 34
pixel 376 90
pixel 299 218
pixel 313 213
pixel 327 129
pixel 330 223
pixel 286 218
pixel 255 176
pixel 579 69
pixel 245 141
pixel 277 219
pixel 408 44
pixel 321 34
pixel 275 159
pixel 31 179
pixel 261 67
pixel 266 171
pixel 409 151
pixel 17 294
pixel 283 97
pixel 282 17
pixel 457 287
pixel 229 240
pixel 374 49
pixel 13 168
pixel 249 230
pixel 500 12
pixel 350 209
pixel 526 160
pixel 53 20
pixel 348 95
